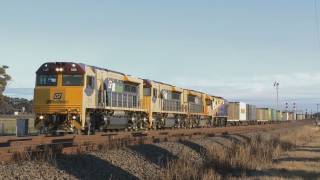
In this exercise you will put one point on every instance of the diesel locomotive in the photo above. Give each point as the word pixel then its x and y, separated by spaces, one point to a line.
pixel 75 97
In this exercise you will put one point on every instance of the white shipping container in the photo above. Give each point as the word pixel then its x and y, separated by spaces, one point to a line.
pixel 285 116
pixel 237 111
pixel 243 111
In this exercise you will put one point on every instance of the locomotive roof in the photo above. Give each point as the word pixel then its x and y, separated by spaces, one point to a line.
pixel 109 70
pixel 105 69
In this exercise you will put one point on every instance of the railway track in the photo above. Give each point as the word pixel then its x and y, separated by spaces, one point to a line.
pixel 72 144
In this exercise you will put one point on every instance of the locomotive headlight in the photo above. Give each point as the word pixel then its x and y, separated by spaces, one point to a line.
pixel 59 69
pixel 74 117
pixel 41 117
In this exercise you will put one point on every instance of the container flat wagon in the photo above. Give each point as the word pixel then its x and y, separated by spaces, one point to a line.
pixel 301 117
pixel 264 114
pixel 273 115
pixel 237 112
pixel 251 113
pixel 279 115
pixel 285 116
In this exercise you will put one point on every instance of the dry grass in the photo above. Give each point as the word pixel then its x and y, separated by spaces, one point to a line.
pixel 184 169
pixel 235 160
pixel 44 153
pixel 256 154
pixel 238 160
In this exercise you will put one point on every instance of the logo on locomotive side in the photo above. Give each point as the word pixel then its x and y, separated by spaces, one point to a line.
pixel 57 96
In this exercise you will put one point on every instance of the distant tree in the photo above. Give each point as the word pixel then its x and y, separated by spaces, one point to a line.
pixel 4 78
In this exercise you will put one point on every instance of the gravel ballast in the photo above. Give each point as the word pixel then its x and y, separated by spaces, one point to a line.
pixel 136 162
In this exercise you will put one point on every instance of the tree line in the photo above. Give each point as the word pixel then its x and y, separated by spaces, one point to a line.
pixel 9 105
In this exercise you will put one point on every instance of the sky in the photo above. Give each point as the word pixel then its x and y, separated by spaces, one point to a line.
pixel 234 49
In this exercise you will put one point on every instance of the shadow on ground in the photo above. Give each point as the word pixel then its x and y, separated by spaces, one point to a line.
pixel 308 149
pixel 90 167
pixel 155 154
pixel 233 139
pixel 202 151
pixel 284 173
pixel 297 159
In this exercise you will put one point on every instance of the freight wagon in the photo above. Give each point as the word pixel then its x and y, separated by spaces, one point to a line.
pixel 279 115
pixel 237 112
pixel 264 114
pixel 251 113
pixel 292 116
pixel 285 116
pixel 273 114
pixel 301 117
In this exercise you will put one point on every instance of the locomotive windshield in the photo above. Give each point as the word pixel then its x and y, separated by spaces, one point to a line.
pixel 46 80
pixel 72 80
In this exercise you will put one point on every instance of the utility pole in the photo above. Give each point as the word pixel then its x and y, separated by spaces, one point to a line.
pixel 276 85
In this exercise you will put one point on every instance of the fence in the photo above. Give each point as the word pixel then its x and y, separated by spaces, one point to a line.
pixel 8 125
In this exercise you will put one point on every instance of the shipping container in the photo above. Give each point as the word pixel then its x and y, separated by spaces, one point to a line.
pixel 263 114
pixel 292 116
pixel 279 115
pixel 251 112
pixel 237 111
pixel 22 128
pixel 273 115
pixel 301 116
pixel 285 116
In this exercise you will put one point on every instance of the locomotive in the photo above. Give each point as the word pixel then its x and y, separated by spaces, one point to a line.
pixel 75 97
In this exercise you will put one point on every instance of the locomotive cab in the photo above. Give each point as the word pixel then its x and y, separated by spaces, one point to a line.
pixel 58 96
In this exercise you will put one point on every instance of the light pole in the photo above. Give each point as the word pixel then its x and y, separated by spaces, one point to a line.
pixel 276 85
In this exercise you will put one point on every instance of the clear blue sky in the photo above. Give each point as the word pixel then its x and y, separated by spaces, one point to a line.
pixel 232 48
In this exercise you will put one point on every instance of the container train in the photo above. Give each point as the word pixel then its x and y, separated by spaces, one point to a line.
pixel 75 97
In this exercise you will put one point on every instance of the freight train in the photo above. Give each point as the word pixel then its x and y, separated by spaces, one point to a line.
pixel 75 97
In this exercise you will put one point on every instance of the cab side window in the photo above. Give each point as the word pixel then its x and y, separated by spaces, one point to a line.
pixel 90 82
